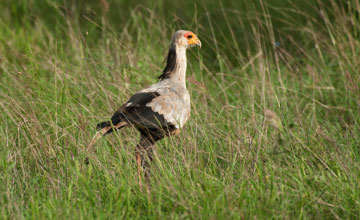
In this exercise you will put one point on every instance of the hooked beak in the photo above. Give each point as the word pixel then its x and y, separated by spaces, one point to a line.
pixel 195 41
pixel 198 42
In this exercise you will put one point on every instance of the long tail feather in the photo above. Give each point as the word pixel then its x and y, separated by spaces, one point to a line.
pixel 97 136
pixel 104 130
pixel 103 125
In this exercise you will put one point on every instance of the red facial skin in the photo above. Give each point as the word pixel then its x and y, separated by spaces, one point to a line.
pixel 188 34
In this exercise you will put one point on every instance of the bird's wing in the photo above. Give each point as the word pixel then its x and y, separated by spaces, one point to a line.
pixel 138 109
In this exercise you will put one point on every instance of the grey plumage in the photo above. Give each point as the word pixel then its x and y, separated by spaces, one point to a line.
pixel 161 109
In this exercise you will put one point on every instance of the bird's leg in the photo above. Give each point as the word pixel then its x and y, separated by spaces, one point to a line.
pixel 144 154
pixel 138 161
pixel 147 160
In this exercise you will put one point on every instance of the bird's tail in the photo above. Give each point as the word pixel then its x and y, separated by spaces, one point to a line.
pixel 103 129
pixel 103 124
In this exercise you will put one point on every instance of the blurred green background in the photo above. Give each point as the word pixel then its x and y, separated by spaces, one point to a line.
pixel 274 128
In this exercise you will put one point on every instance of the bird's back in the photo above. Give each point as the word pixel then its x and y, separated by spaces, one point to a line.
pixel 163 104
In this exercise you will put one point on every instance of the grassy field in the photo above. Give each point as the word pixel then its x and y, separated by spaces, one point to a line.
pixel 275 125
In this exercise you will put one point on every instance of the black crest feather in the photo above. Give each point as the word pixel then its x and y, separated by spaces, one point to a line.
pixel 170 63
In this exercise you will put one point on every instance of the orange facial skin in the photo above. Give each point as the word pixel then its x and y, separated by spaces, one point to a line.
pixel 192 39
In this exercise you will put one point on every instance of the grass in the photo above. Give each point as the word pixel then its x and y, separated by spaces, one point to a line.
pixel 275 125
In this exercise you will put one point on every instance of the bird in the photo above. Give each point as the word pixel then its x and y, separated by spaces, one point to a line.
pixel 160 110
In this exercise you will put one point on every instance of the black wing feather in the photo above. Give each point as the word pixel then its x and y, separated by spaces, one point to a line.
pixel 136 112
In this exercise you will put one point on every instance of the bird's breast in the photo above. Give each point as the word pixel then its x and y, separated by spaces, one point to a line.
pixel 174 106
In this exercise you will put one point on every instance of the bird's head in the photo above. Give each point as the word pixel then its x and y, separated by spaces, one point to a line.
pixel 186 39
pixel 180 40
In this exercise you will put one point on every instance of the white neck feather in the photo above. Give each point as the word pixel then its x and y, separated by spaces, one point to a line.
pixel 179 74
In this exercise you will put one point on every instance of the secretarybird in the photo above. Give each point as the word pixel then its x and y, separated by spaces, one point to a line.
pixel 159 110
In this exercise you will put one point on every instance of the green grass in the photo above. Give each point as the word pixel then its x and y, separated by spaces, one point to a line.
pixel 275 125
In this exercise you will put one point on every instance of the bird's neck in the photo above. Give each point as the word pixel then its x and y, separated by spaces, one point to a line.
pixel 179 74
pixel 175 69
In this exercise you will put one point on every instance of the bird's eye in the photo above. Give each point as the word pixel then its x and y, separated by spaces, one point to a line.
pixel 189 36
